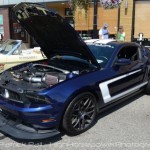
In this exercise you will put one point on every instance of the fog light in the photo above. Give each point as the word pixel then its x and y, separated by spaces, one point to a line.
pixel 5 93
pixel 48 120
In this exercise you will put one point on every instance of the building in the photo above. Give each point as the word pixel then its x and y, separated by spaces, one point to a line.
pixel 11 29
pixel 133 15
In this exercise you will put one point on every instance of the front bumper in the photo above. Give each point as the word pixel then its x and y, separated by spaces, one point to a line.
pixel 18 130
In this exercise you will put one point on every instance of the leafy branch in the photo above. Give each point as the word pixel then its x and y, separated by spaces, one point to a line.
pixel 81 4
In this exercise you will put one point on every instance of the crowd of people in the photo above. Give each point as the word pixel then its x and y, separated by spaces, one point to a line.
pixel 104 33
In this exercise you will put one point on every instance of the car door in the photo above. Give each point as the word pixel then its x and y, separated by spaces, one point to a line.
pixel 2 62
pixel 129 77
pixel 30 55
pixel 21 56
pixel 13 60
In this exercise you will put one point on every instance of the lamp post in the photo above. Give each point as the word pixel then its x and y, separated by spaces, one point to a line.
pixel 95 34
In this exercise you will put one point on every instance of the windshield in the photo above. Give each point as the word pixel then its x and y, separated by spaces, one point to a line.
pixel 6 47
pixel 102 52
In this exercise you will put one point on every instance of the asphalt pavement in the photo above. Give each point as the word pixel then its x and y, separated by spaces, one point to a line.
pixel 123 127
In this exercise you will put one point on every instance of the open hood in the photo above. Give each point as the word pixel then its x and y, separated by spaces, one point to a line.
pixel 53 34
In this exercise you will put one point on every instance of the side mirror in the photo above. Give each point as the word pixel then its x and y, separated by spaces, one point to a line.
pixel 123 62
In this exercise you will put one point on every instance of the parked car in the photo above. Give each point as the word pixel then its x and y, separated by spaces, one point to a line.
pixel 14 52
pixel 74 84
pixel 97 41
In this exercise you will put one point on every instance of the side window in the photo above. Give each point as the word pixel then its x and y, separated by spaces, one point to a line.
pixel 129 52
pixel 146 50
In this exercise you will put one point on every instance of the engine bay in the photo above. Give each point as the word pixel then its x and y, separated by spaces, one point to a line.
pixel 43 74
pixel 40 73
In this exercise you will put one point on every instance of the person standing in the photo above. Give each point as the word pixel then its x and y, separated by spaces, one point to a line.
pixel 1 36
pixel 104 32
pixel 121 34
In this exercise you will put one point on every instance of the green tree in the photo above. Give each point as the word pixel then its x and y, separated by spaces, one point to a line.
pixel 84 4
pixel 81 4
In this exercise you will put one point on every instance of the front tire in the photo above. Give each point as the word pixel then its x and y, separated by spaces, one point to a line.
pixel 80 114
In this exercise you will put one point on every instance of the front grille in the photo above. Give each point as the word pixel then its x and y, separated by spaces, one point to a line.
pixel 10 95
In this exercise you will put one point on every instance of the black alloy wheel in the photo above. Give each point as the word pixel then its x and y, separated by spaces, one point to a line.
pixel 80 114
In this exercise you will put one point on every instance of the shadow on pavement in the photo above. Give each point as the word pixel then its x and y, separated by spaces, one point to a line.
pixel 119 105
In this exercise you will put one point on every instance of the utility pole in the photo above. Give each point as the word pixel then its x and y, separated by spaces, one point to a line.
pixel 95 34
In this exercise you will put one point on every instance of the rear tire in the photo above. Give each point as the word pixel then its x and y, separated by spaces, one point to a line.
pixel 80 114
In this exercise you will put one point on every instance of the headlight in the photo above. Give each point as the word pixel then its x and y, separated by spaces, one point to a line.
pixel 38 99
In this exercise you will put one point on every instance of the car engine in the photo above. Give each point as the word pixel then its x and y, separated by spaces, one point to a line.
pixel 20 81
pixel 35 76
pixel 41 75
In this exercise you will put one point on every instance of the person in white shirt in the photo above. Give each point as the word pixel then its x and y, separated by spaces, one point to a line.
pixel 104 32
pixel 1 36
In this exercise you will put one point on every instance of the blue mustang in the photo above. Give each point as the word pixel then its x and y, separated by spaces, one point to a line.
pixel 73 85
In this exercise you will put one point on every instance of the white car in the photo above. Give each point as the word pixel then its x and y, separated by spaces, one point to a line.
pixel 14 52
pixel 104 41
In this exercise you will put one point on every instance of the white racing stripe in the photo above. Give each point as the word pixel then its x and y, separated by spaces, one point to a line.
pixel 105 90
